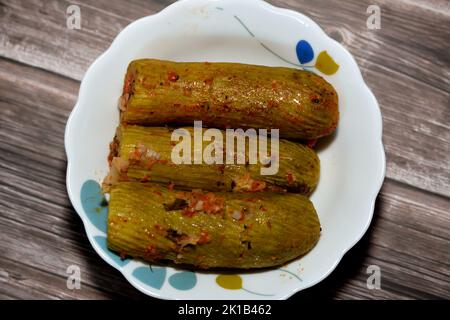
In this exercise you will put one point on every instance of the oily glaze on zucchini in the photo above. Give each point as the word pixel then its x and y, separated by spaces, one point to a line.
pixel 229 95
pixel 144 154
pixel 210 230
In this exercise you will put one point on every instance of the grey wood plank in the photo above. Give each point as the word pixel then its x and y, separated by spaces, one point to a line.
pixel 36 267
pixel 41 235
pixel 405 63
pixel 28 282
pixel 35 32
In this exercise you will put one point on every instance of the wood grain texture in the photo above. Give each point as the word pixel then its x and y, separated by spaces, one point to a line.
pixel 406 63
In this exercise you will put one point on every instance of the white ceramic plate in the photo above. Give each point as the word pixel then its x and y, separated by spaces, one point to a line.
pixel 251 31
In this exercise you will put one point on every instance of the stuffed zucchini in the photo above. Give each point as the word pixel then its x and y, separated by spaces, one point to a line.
pixel 210 230
pixel 144 154
pixel 301 104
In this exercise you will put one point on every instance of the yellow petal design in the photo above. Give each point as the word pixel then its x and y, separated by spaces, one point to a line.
pixel 230 282
pixel 326 64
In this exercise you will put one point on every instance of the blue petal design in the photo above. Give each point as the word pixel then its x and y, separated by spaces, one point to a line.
pixel 101 241
pixel 94 204
pixel 185 280
pixel 305 52
pixel 151 276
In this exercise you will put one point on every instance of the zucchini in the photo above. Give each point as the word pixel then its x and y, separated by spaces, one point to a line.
pixel 210 230
pixel 301 104
pixel 144 154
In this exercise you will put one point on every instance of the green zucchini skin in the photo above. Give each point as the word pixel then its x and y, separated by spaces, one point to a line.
pixel 231 230
pixel 301 104
pixel 299 166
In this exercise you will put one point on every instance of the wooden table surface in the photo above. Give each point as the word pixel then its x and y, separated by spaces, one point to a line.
pixel 406 63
